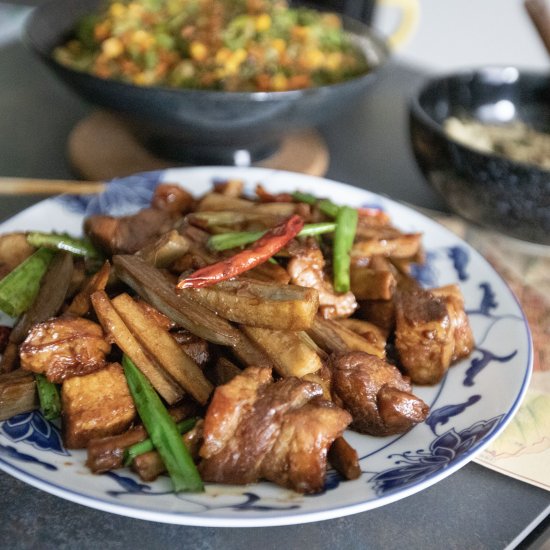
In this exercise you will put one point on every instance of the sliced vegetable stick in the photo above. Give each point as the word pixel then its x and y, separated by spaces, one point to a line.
pixel 400 246
pixel 291 356
pixel 257 304
pixel 151 284
pixel 371 284
pixel 344 458
pixel 163 348
pixel 333 337
pixel 113 324
pixel 81 303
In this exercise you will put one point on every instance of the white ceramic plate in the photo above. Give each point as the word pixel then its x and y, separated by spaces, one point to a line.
pixel 469 408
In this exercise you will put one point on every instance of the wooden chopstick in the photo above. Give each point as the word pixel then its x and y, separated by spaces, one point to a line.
pixel 25 186
pixel 539 12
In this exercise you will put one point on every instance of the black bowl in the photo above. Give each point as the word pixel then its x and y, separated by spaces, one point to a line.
pixel 488 189
pixel 199 126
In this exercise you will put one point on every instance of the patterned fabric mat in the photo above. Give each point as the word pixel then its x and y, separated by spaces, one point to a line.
pixel 522 451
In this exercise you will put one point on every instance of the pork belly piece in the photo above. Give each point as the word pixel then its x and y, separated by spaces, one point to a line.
pixel 259 429
pixel 96 405
pixel 432 331
pixel 306 268
pixel 463 337
pixel 172 198
pixel 376 394
pixel 62 347
pixel 127 234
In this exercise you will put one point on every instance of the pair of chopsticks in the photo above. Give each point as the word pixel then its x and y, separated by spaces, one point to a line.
pixel 25 186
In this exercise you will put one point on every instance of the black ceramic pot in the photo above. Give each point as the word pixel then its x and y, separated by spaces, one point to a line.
pixel 489 189
pixel 198 126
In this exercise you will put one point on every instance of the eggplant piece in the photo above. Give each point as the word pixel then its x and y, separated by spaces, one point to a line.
pixel 50 298
pixel 165 250
pixel 287 351
pixel 257 304
pixel 334 337
pixel 181 307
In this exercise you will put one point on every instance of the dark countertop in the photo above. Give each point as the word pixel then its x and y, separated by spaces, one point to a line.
pixel 473 508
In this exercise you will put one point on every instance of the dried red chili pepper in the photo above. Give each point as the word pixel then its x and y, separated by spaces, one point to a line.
pixel 263 249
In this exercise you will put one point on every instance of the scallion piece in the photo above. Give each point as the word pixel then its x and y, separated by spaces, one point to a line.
pixel 346 224
pixel 326 206
pixel 163 431
pixel 48 395
pixel 146 445
pixel 19 288
pixel 54 241
pixel 225 241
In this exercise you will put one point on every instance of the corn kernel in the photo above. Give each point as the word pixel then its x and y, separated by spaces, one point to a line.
pixel 112 47
pixel 222 55
pixel 135 10
pixel 300 32
pixel 143 38
pixel 279 44
pixel 279 82
pixel 198 51
pixel 263 22
pixel 144 79
pixel 117 10
pixel 312 59
pixel 239 55
pixel 333 61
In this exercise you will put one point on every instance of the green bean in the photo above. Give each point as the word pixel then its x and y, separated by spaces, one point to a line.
pixel 163 431
pixel 346 224
pixel 48 395
pixel 54 241
pixel 146 445
pixel 19 288
pixel 224 241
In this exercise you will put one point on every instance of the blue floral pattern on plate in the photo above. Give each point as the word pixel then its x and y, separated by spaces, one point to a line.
pixel 461 422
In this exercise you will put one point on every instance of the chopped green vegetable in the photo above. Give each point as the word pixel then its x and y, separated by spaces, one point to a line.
pixel 225 241
pixel 19 288
pixel 346 224
pixel 326 206
pixel 162 430
pixel 48 394
pixel 53 241
pixel 147 445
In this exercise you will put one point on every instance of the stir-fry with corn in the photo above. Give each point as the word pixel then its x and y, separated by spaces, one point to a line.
pixel 231 45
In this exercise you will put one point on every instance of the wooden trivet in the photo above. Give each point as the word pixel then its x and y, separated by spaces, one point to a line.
pixel 102 147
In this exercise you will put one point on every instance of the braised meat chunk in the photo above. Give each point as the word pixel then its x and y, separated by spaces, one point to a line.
pixel 62 347
pixel 306 268
pixel 432 331
pixel 280 431
pixel 378 397
pixel 127 234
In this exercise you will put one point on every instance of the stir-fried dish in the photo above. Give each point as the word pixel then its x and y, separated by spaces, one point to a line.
pixel 231 45
pixel 225 338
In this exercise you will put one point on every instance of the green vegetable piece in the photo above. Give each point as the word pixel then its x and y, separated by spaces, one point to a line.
pixel 163 431
pixel 225 241
pixel 146 445
pixel 54 241
pixel 19 288
pixel 346 224
pixel 326 206
pixel 48 395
